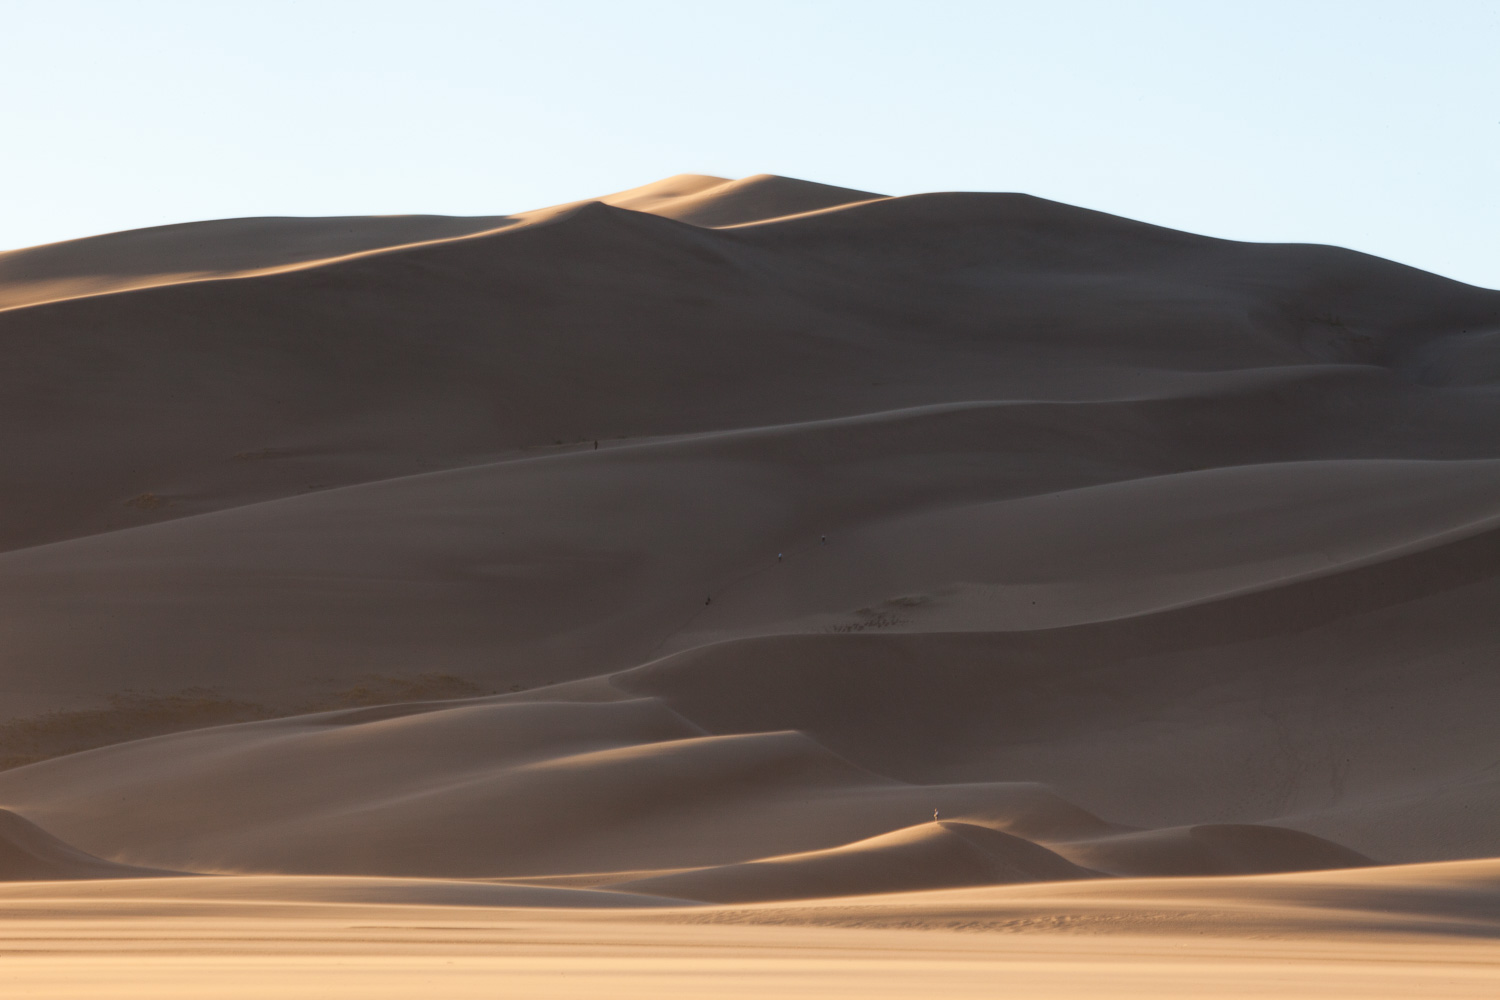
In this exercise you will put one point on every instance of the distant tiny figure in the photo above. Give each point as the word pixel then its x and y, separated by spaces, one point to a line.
pixel 822 539
pixel 596 445
pixel 778 557
pixel 934 815
pixel 708 600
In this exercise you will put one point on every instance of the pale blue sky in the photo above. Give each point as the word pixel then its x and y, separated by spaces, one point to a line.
pixel 1374 125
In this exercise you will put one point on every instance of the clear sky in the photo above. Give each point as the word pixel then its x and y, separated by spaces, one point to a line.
pixel 1369 124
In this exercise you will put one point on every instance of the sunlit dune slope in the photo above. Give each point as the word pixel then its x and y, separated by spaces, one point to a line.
pixel 715 201
pixel 624 791
pixel 237 248
pixel 936 855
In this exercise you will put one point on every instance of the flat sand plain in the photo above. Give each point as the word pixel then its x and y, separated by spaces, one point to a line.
pixel 1261 936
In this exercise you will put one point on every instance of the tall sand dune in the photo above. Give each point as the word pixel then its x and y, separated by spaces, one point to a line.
pixel 693 544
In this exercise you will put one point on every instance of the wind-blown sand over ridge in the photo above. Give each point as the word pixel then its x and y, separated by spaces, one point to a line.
pixel 237 248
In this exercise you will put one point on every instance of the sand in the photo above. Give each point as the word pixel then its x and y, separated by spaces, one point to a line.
pixel 1387 935
pixel 638 575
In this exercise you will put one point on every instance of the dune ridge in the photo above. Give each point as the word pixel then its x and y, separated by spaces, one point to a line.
pixel 932 856
pixel 242 248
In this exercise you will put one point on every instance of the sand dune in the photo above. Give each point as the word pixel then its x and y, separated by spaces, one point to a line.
pixel 934 855
pixel 520 787
pixel 715 202
pixel 240 248
pixel 1211 849
pixel 689 546
pixel 499 789
pixel 370 580
pixel 197 251
pixel 30 854
pixel 182 398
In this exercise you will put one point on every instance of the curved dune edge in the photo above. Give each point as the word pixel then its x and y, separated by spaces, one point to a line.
pixel 932 856
pixel 30 854
pixel 310 377
pixel 204 251
pixel 244 248
pixel 597 792
pixel 715 202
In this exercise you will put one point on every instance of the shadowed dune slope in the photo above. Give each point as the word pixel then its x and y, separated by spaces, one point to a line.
pixel 234 248
pixel 622 791
pixel 772 516
pixel 1211 849
pixel 968 518
pixel 30 854
pixel 599 323
pixel 1326 699
pixel 196 251
pixel 490 789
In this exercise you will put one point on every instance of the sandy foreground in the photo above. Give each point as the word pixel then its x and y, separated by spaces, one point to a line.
pixel 745 587
pixel 1302 936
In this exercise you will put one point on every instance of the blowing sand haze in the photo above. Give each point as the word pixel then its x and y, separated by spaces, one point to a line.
pixel 746 581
